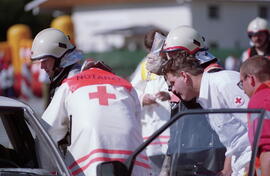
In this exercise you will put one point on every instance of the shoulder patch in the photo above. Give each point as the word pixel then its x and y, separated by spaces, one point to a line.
pixel 239 101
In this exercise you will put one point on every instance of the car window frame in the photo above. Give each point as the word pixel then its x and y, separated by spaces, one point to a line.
pixel 131 159
pixel 35 123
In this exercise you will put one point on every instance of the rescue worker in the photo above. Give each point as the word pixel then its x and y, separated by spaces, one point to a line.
pixel 185 72
pixel 208 155
pixel 95 111
pixel 258 33
pixel 255 81
pixel 59 57
pixel 154 97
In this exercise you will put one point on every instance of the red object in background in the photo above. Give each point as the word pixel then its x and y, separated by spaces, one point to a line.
pixel 36 85
pixel 17 84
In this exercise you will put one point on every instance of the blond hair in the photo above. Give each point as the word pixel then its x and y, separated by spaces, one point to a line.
pixel 259 66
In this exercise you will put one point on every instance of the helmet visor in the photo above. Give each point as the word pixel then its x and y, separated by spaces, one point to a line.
pixel 158 44
pixel 204 56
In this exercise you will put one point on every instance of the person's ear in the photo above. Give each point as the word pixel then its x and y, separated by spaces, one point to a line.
pixel 186 77
pixel 253 80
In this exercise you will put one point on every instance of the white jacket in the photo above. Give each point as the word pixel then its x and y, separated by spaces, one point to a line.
pixel 155 115
pixel 105 114
pixel 220 90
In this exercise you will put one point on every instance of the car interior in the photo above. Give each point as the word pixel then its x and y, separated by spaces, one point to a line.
pixel 21 145
pixel 21 149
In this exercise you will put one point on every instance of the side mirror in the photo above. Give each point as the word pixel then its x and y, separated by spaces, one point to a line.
pixel 112 168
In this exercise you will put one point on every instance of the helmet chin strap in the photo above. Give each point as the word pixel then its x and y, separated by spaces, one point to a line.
pixel 57 63
pixel 58 77
pixel 57 70
pixel 56 74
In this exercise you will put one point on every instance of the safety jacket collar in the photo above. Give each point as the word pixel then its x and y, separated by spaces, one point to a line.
pixel 263 85
pixel 95 76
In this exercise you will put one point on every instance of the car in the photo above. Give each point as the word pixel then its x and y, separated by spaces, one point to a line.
pixel 27 149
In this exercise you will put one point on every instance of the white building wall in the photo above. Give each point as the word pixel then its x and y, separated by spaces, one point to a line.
pixel 229 31
pixel 88 22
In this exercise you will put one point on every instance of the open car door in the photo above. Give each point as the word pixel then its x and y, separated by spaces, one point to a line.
pixel 194 149
pixel 25 146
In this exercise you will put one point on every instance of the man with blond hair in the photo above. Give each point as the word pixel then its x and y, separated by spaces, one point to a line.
pixel 255 81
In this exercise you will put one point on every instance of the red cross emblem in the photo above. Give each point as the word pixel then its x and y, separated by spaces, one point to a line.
pixel 238 101
pixel 102 95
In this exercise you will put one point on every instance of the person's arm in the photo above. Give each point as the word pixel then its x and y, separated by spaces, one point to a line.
pixel 56 115
pixel 227 169
pixel 237 142
pixel 149 99
pixel 265 163
pixel 166 165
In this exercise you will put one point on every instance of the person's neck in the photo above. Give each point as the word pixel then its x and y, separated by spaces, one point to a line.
pixel 256 86
pixel 197 83
pixel 262 50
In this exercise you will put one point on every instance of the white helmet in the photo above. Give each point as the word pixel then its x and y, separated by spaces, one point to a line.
pixel 184 38
pixel 50 42
pixel 188 39
pixel 257 25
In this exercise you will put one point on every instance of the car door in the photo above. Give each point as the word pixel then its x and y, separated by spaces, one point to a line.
pixel 26 148
pixel 193 148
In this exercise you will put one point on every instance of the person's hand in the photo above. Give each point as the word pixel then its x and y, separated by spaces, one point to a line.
pixel 225 173
pixel 91 63
pixel 88 63
pixel 163 96
pixel 246 170
pixel 148 99
pixel 227 169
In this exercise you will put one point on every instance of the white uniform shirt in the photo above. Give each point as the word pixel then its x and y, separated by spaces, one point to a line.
pixel 220 90
pixel 155 115
pixel 105 122
pixel 136 76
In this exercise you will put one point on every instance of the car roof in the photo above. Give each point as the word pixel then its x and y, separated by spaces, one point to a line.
pixel 10 102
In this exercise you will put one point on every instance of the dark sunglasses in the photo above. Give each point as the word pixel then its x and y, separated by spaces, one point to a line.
pixel 250 34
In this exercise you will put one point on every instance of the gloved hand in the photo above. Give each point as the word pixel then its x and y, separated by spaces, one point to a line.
pixel 91 63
